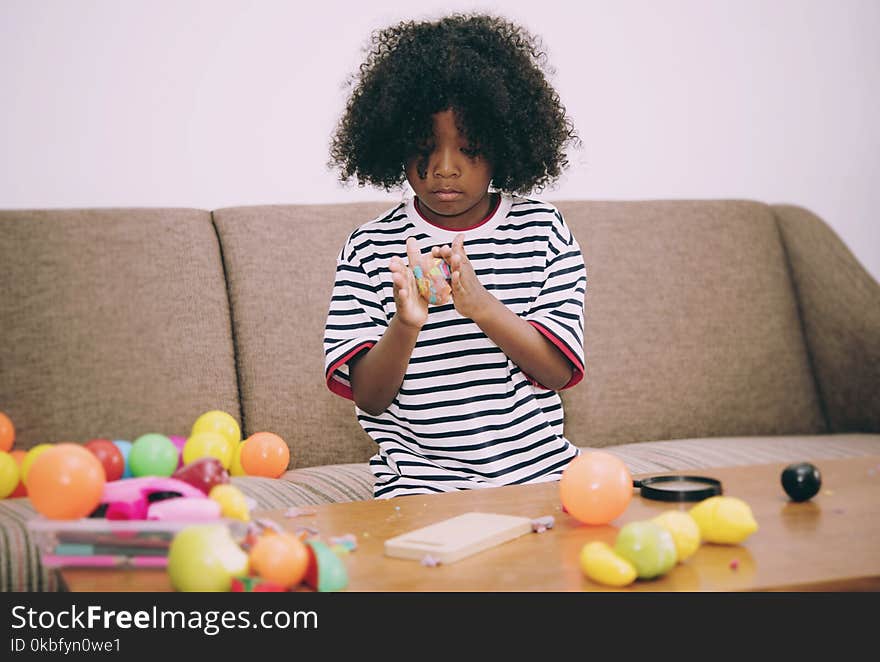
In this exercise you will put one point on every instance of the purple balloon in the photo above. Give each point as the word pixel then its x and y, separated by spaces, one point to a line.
pixel 179 442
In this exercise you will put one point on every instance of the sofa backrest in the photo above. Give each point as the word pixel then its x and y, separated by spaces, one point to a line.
pixel 280 264
pixel 113 323
pixel 692 328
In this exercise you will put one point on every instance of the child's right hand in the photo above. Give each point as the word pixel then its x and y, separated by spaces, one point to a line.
pixel 412 309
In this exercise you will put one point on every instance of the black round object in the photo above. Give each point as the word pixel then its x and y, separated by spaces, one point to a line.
pixel 678 488
pixel 801 481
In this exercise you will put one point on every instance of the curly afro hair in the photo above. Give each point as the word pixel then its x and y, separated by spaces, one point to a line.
pixel 489 71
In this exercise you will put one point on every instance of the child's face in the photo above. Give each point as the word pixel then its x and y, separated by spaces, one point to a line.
pixel 453 192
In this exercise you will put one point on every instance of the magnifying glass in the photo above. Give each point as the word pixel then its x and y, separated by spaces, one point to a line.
pixel 678 488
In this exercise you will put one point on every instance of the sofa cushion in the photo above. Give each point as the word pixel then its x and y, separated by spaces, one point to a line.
pixel 692 326
pixel 280 263
pixel 684 454
pixel 114 323
pixel 310 486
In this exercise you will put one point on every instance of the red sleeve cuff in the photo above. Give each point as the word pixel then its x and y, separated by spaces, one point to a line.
pixel 336 386
pixel 577 368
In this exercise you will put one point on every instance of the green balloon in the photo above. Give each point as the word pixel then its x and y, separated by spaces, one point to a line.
pixel 153 455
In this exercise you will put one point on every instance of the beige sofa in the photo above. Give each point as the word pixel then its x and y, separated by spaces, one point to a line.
pixel 718 332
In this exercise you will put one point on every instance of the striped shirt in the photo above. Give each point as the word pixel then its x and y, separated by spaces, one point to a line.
pixel 465 416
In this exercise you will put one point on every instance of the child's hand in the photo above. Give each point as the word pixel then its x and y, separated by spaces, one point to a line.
pixel 468 294
pixel 412 309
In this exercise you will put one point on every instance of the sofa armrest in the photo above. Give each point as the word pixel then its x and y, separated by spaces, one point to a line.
pixel 839 304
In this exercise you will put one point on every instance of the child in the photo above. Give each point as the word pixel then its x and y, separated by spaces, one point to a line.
pixel 461 394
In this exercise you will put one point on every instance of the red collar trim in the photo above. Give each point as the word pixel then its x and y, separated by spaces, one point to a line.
pixel 491 213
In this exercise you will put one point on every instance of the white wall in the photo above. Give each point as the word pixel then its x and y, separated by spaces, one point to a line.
pixel 212 104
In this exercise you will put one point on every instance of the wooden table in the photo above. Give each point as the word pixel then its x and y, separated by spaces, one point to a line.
pixel 830 543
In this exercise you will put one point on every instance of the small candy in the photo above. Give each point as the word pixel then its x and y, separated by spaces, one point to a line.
pixel 541 524
pixel 432 279
pixel 429 561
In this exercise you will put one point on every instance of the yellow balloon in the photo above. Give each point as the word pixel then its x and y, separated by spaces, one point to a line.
pixel 232 502
pixel 9 474
pixel 235 468
pixel 218 421
pixel 32 455
pixel 207 444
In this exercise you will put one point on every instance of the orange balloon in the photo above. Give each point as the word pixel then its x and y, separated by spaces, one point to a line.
pixel 265 454
pixel 66 482
pixel 281 559
pixel 7 432
pixel 596 487
pixel 20 490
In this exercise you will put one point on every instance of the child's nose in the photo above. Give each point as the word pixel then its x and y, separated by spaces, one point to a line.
pixel 446 164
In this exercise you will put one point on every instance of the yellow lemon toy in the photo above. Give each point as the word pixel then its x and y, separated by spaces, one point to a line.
pixel 684 529
pixel 601 564
pixel 725 520
pixel 232 502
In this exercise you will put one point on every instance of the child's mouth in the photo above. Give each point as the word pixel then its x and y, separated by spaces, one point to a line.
pixel 447 195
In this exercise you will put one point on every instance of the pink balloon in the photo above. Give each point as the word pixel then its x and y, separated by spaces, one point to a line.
pixel 179 442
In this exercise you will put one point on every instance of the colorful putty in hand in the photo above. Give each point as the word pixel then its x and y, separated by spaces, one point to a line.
pixel 432 279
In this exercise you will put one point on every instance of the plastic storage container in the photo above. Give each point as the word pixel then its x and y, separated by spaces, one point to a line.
pixel 103 543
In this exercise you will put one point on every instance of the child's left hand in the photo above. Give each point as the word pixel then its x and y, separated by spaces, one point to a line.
pixel 468 294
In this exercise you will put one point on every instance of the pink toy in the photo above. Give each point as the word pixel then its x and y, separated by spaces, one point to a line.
pixel 127 498
pixel 432 279
pixel 185 509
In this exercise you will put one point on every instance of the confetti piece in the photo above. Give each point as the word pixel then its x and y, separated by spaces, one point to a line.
pixel 268 524
pixel 734 565
pixel 429 561
pixel 828 492
pixel 396 507
pixel 306 529
pixel 298 512
pixel 348 541
pixel 541 524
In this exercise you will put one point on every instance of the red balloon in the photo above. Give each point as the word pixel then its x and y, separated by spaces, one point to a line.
pixel 110 456
pixel 203 474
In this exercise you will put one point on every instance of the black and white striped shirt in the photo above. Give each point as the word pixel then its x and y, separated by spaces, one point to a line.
pixel 465 415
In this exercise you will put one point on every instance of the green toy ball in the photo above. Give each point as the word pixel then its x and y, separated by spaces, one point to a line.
pixel 153 455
